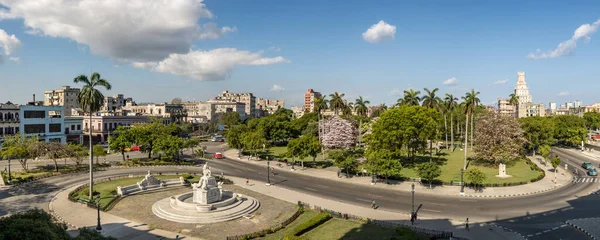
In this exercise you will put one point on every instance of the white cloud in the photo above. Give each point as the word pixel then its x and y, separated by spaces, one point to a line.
pixel 133 30
pixel 215 64
pixel 563 93
pixel 380 32
pixel 211 31
pixel 9 43
pixel 500 82
pixel 277 88
pixel 15 59
pixel 395 92
pixel 568 47
pixel 450 81
pixel 275 49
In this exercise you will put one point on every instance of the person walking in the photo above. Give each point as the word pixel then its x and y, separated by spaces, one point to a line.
pixel 467 225
pixel 273 171
pixel 247 182
pixel 373 204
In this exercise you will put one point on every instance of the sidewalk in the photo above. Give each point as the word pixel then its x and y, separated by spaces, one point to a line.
pixel 79 215
pixel 477 230
pixel 543 185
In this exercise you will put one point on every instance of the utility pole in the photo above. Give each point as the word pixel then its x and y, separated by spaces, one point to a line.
pixel 268 169
pixel 412 213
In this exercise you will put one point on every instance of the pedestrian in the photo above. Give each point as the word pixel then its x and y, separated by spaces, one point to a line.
pixel 273 171
pixel 373 204
pixel 127 157
pixel 247 182
pixel 467 225
pixel 222 175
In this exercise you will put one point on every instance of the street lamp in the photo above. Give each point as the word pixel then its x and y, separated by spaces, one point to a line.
pixel 268 168
pixel 412 213
pixel 462 182
pixel 99 226
pixel 9 177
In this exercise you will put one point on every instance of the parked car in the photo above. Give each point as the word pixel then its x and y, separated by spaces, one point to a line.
pixel 592 172
pixel 587 165
pixel 135 148
pixel 218 155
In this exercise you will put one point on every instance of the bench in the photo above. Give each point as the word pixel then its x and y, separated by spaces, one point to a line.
pixel 456 183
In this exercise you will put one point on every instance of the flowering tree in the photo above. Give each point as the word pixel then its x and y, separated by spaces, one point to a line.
pixel 498 138
pixel 338 133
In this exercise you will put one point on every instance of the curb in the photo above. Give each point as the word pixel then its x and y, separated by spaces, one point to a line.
pixel 509 230
pixel 513 195
pixel 580 228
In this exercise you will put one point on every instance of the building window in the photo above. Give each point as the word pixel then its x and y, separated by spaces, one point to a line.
pixel 54 127
pixel 35 128
pixel 1 131
pixel 78 126
pixel 35 114
pixel 16 129
pixel 72 127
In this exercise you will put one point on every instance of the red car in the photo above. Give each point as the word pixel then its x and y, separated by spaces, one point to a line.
pixel 135 148
pixel 218 155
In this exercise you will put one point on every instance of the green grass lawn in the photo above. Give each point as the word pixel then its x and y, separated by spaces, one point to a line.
pixel 279 152
pixel 279 234
pixel 108 190
pixel 453 162
pixel 337 228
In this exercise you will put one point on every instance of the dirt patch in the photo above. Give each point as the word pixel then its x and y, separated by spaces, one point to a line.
pixel 138 208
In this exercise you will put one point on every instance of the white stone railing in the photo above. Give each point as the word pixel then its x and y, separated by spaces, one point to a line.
pixel 148 183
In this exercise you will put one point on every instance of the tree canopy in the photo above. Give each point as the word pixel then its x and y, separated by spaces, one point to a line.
pixel 498 138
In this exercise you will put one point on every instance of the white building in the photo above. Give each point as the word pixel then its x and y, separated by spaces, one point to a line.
pixel 522 92
pixel 9 120
pixel 298 111
pixel 46 122
pixel 74 129
pixel 577 104
pixel 247 98
pixel 202 112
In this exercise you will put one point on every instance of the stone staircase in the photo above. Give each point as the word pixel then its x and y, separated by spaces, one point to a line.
pixel 163 209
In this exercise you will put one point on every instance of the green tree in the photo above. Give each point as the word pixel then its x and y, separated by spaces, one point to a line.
pixel 121 139
pixel 294 149
pixel 451 103
pixel 411 98
pixel 320 105
pixel 170 146
pixel 146 134
pixel 476 177
pixel 311 145
pixel 25 148
pixel 345 160
pixel 499 138
pixel 99 151
pixel 570 129
pixel 12 151
pixel 361 106
pixel 54 151
pixel 91 100
pixel 555 163
pixel 300 124
pixel 76 152
pixel 231 119
pixel 430 100
pixel 337 102
pixel 235 136
pixel 545 151
pixel 382 163
pixel 538 131
pixel 592 120
pixel 253 141
pixel 429 171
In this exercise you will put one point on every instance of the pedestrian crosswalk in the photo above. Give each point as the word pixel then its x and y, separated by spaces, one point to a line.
pixel 587 180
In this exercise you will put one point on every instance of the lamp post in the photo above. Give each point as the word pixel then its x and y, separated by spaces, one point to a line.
pixel 99 226
pixel 462 182
pixel 268 169
pixel 9 177
pixel 412 213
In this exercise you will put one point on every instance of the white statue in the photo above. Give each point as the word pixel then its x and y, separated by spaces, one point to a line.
pixel 206 170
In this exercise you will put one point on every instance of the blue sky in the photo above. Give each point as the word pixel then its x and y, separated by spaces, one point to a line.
pixel 154 53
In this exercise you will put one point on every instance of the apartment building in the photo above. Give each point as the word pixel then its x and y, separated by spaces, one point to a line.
pixel 298 111
pixel 203 112
pixel 505 108
pixel 309 99
pixel 174 112
pixel 268 106
pixel 247 98
pixel 45 122
pixel 9 119
pixel 65 96
pixel 116 102
pixel 74 129
pixel 103 126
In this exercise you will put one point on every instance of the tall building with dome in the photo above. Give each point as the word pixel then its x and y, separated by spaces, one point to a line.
pixel 522 92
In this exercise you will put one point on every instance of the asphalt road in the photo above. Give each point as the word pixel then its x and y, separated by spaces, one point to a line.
pixel 527 215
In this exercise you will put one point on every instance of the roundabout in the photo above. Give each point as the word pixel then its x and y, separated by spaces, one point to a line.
pixel 526 214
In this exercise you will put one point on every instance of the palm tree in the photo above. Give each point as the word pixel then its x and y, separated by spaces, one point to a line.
pixel 91 100
pixel 469 103
pixel 360 105
pixel 430 100
pixel 513 99
pixel 337 102
pixel 320 104
pixel 348 108
pixel 450 102
pixel 411 98
pixel 475 102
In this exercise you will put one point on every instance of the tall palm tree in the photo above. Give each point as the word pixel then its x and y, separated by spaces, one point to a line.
pixel 513 100
pixel 469 104
pixel 475 101
pixel 410 98
pixel 430 100
pixel 320 104
pixel 451 102
pixel 361 107
pixel 91 100
pixel 337 102
pixel 348 108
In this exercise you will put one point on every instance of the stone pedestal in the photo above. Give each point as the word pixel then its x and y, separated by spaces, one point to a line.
pixel 502 171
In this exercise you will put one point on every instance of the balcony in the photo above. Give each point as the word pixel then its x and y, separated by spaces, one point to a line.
pixel 12 120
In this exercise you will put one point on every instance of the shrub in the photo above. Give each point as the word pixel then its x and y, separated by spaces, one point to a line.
pixel 86 192
pixel 406 233
pixel 187 176
pixel 310 224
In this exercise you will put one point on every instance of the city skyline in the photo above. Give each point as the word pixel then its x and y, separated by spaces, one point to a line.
pixel 372 50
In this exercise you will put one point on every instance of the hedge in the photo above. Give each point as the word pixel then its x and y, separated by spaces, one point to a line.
pixel 310 224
